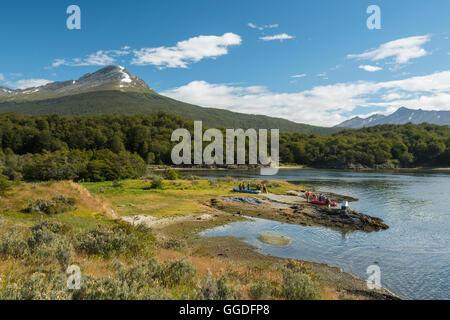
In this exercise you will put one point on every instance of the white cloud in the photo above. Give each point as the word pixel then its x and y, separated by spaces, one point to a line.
pixel 2 77
pixel 186 52
pixel 100 58
pixel 322 105
pixel 281 37
pixel 261 28
pixel 28 83
pixel 401 50
pixel 299 75
pixel 370 68
pixel 179 56
pixel 322 75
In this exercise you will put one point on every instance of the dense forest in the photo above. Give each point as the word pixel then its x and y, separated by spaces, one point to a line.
pixel 109 147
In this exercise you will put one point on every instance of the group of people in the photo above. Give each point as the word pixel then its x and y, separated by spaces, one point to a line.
pixel 320 197
pixel 259 187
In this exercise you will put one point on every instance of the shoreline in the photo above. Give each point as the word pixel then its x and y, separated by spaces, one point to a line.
pixel 230 247
pixel 301 167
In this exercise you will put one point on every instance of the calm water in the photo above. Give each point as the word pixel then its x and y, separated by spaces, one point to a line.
pixel 414 254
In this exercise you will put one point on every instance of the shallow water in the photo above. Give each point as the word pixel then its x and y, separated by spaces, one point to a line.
pixel 414 254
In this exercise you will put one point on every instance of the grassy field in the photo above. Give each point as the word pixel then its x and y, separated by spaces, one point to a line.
pixel 175 198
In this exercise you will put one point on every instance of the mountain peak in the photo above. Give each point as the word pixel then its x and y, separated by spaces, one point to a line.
pixel 107 78
pixel 401 116
pixel 116 76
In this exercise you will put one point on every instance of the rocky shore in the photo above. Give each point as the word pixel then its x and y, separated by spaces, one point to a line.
pixel 294 209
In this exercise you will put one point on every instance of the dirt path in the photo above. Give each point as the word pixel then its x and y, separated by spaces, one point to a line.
pixel 86 194
pixel 156 223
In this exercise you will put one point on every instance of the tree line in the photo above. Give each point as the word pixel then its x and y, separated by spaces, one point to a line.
pixel 110 147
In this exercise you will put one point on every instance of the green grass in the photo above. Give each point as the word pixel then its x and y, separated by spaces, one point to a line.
pixel 176 198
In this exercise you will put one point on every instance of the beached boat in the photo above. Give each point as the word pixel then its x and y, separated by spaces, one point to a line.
pixel 323 203
pixel 247 191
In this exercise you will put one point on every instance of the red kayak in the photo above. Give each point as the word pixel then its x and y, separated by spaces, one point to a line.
pixel 323 203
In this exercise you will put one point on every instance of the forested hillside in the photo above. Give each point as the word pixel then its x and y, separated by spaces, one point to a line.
pixel 129 103
pixel 117 146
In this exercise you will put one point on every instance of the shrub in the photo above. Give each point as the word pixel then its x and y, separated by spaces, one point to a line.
pixel 126 284
pixel 116 184
pixel 56 251
pixel 12 244
pixel 208 290
pixel 176 273
pixel 53 226
pixel 156 184
pixel 40 235
pixel 5 185
pixel 58 204
pixel 47 246
pixel 259 290
pixel 171 174
pixel 102 241
pixel 175 244
pixel 37 287
pixel 218 289
pixel 123 239
pixel 298 286
pixel 225 291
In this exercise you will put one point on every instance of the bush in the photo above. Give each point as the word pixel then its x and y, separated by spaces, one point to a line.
pixel 175 244
pixel 37 287
pixel 171 174
pixel 218 289
pixel 116 184
pixel 156 184
pixel 47 246
pixel 259 290
pixel 298 286
pixel 226 291
pixel 12 244
pixel 126 284
pixel 56 251
pixel 176 273
pixel 53 226
pixel 58 204
pixel 5 185
pixel 123 239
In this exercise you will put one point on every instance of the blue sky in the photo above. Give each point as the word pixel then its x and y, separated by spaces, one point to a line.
pixel 307 61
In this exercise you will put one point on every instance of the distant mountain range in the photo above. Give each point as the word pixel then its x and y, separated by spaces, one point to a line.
pixel 114 90
pixel 401 116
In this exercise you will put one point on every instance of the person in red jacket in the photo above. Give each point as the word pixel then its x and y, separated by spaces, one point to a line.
pixel 307 194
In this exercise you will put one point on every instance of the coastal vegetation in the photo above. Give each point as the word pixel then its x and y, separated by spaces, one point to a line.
pixel 119 260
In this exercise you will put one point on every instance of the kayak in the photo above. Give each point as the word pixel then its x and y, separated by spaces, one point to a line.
pixel 323 203
pixel 246 191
